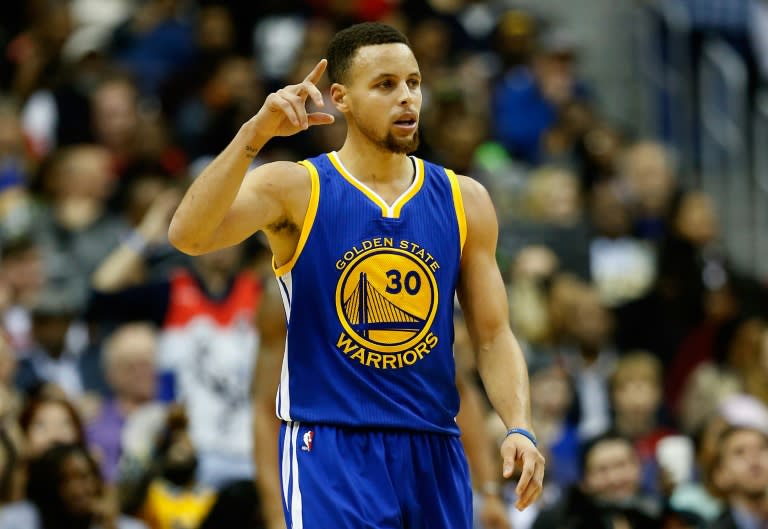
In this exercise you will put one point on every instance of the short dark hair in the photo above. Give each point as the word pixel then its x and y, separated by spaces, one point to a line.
pixel 588 446
pixel 346 42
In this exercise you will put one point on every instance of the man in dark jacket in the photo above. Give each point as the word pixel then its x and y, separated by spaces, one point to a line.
pixel 608 495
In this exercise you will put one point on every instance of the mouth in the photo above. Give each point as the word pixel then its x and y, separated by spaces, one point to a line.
pixel 408 122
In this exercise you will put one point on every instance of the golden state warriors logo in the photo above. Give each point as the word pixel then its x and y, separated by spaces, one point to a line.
pixel 386 301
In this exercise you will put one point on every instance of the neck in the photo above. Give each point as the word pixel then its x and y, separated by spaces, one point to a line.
pixel 634 426
pixel 371 163
pixel 755 505
pixel 126 405
pixel 215 282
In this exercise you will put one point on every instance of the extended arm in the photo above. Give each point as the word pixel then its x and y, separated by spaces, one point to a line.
pixel 500 361
pixel 223 207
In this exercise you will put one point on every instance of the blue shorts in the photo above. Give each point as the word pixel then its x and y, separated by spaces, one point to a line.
pixel 338 478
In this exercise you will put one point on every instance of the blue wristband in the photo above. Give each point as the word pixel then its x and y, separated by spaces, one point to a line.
pixel 524 433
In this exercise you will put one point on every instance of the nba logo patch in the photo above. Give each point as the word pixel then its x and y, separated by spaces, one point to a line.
pixel 307 438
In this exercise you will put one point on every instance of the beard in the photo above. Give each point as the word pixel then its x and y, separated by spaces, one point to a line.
pixel 390 143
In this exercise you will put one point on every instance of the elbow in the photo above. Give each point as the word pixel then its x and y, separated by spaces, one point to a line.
pixel 182 240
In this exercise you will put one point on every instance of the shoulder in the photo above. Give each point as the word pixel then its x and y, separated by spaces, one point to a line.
pixel 478 206
pixel 279 173
pixel 472 191
pixel 19 514
pixel 125 522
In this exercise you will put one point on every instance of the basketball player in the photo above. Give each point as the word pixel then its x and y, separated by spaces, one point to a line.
pixel 370 245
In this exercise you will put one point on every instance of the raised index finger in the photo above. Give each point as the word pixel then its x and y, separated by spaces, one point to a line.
pixel 317 72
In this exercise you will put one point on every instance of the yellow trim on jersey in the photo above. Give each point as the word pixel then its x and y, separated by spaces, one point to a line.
pixel 309 219
pixel 459 205
pixel 418 181
pixel 359 185
pixel 392 211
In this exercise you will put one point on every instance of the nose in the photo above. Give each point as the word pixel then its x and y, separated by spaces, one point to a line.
pixel 406 95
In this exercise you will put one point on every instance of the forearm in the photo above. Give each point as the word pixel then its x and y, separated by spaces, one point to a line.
pixel 213 192
pixel 121 268
pixel 502 367
pixel 267 427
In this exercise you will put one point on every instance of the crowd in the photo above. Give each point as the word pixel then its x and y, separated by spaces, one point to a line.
pixel 132 380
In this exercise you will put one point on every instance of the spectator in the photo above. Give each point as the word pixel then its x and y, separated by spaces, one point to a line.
pixel 608 495
pixel 65 491
pixel 51 358
pixel 527 100
pixel 76 229
pixel 622 266
pixel 207 366
pixel 589 358
pixel 129 366
pixel 552 216
pixel 49 420
pixel 740 474
pixel 22 278
pixel 648 176
pixel 170 496
pixel 636 391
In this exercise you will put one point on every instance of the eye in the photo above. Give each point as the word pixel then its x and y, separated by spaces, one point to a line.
pixel 414 83
pixel 385 84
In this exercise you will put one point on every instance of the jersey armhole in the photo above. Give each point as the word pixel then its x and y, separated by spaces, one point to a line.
pixel 458 205
pixel 309 220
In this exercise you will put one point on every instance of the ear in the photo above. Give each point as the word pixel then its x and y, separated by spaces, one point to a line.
pixel 339 97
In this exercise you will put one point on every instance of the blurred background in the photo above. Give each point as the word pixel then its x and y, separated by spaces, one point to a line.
pixel 625 145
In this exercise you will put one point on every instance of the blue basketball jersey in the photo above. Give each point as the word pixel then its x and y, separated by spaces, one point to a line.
pixel 369 297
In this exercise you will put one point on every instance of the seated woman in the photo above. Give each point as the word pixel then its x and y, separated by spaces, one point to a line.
pixel 65 491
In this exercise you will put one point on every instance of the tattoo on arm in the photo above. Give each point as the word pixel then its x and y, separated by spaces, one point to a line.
pixel 251 152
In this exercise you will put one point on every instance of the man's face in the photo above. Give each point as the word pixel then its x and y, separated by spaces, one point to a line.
pixel 383 94
pixel 612 471
pixel 743 466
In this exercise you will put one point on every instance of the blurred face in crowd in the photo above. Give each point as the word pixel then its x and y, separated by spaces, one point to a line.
pixel 130 362
pixel 24 272
pixel 609 213
pixel 554 71
pixel 79 484
pixel 742 469
pixel 563 299
pixel 550 392
pixel 115 114
pixel 84 173
pixel 50 332
pixel 381 96
pixel 554 196
pixel 612 471
pixel 50 424
pixel 225 261
pixel 697 220
pixel 637 396
pixel 215 28
pixel 590 322
pixel 649 177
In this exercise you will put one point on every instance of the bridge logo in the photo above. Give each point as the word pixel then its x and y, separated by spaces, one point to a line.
pixel 386 300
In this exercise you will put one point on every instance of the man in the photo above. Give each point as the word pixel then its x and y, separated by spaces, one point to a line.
pixel 740 475
pixel 609 493
pixel 207 342
pixel 129 368
pixel 368 266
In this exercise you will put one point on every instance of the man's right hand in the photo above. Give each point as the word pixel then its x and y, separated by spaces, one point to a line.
pixel 284 112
